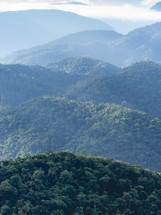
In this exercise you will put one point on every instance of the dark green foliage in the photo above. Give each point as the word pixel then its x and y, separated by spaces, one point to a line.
pixel 67 184
pixel 137 87
pixel 102 129
pixel 83 66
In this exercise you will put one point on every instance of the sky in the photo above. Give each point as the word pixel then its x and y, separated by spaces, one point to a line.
pixel 118 9
pixel 134 11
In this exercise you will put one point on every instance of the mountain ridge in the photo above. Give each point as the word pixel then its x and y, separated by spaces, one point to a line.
pixel 29 28
pixel 120 50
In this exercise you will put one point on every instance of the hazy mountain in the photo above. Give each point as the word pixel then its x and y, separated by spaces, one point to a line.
pixel 83 66
pixel 137 87
pixel 102 129
pixel 86 43
pixel 140 44
pixel 25 29
pixel 157 6
pixel 67 184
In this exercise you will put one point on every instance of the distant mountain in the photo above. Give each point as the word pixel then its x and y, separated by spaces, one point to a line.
pixel 101 129
pixel 157 6
pixel 67 184
pixel 137 87
pixel 76 3
pixel 86 43
pixel 83 66
pixel 121 50
pixel 25 29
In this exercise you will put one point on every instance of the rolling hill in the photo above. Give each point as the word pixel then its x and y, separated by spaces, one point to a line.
pixel 137 87
pixel 120 50
pixel 25 29
pixel 101 129
pixel 83 66
pixel 20 83
pixel 67 184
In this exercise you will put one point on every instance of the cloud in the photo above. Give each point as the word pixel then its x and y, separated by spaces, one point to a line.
pixel 149 3
pixel 125 12
pixel 95 9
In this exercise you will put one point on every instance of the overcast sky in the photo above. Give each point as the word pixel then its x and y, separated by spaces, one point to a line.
pixel 133 10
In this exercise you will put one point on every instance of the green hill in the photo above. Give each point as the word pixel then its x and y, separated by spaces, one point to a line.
pixel 101 129
pixel 20 83
pixel 83 66
pixel 137 87
pixel 67 184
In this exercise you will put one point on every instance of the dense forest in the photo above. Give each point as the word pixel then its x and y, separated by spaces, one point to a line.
pixel 101 129
pixel 137 86
pixel 83 66
pixel 67 184
pixel 20 83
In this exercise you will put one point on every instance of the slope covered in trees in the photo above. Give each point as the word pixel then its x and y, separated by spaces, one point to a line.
pixel 121 50
pixel 102 129
pixel 84 79
pixel 137 87
pixel 83 66
pixel 67 184
pixel 19 83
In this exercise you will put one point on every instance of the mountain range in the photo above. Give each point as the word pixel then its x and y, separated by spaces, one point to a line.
pixel 84 93
pixel 84 79
pixel 120 50
pixel 20 83
pixel 28 28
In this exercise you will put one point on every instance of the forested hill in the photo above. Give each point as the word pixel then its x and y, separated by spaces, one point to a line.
pixel 137 86
pixel 79 78
pixel 83 66
pixel 67 184
pixel 20 83
pixel 101 129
